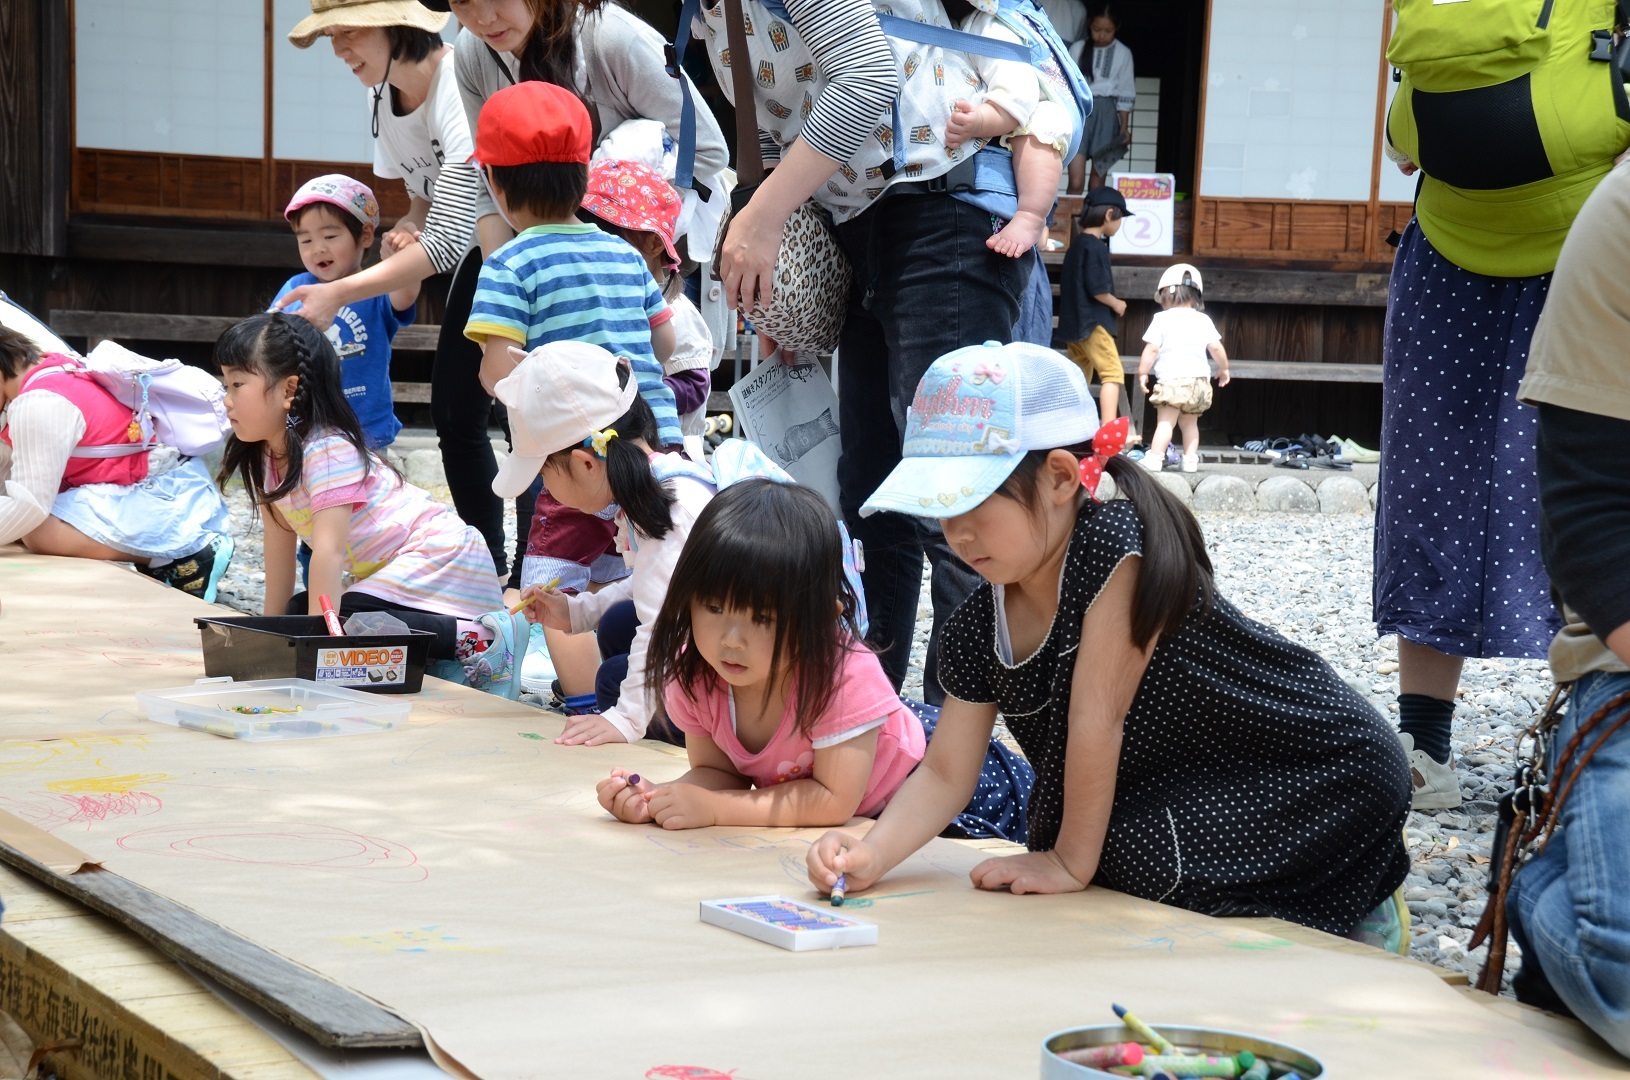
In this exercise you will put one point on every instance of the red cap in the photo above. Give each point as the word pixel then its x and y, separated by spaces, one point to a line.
pixel 532 122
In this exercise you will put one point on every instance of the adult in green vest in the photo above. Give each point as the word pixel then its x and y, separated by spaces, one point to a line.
pixel 1511 111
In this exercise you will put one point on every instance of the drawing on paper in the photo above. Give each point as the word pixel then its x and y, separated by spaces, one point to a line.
pixel 299 846
pixel 51 811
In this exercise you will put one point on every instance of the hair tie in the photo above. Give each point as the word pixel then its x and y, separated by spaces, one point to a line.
pixel 291 421
pixel 1109 441
pixel 599 439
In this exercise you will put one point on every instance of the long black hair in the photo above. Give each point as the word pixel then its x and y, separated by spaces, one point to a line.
pixel 274 346
pixel 550 52
pixel 770 548
pixel 1174 575
pixel 647 501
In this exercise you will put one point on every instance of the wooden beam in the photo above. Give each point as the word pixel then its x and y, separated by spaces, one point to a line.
pixel 333 1015
pixel 272 247
pixel 1242 286
pixel 140 326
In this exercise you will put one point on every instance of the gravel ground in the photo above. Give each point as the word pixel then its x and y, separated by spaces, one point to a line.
pixel 1308 575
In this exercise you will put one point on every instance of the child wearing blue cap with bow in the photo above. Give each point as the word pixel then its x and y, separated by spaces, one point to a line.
pixel 1183 752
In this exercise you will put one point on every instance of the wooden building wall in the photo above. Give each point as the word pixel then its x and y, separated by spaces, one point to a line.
pixel 34 126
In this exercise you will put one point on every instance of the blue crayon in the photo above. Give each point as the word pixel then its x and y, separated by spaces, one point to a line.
pixel 839 887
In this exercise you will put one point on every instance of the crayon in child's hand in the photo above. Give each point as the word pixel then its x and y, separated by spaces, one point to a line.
pixel 1144 1032
pixel 839 887
pixel 525 600
pixel 632 780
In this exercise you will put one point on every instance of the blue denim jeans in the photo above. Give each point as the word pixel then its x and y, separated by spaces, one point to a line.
pixel 925 283
pixel 1569 908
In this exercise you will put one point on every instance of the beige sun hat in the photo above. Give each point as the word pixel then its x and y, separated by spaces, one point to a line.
pixel 329 13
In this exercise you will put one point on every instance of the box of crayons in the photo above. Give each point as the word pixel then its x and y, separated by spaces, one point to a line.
pixel 790 924
pixel 1167 1052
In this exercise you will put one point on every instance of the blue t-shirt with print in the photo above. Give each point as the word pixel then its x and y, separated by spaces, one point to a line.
pixel 361 334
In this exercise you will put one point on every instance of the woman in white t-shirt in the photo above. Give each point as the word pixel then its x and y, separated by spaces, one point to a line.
pixel 1176 345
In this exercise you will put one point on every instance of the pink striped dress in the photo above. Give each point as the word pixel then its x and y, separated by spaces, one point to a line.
pixel 404 547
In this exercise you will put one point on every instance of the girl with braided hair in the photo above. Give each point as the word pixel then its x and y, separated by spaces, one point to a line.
pixel 378 543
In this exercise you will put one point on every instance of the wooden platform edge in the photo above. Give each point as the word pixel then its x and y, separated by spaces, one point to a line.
pixel 331 1014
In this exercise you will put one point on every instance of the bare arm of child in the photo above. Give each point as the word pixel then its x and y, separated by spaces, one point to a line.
pixel 1112 302
pixel 934 794
pixel 829 796
pixel 981 121
pixel 1101 691
pixel 330 530
pixel 663 341
pixel 408 295
pixel 496 361
pixel 1220 355
pixel 1146 364
pixel 278 556
pixel 320 302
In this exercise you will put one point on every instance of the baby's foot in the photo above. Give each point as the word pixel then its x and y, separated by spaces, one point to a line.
pixel 1019 235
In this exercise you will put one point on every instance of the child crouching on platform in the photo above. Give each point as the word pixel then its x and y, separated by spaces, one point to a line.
pixel 62 492
pixel 1170 734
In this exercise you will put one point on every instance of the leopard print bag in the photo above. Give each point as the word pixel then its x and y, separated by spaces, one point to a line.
pixel 812 275
pixel 811 283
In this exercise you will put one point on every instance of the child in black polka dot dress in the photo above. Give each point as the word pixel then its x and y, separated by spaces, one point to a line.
pixel 1183 752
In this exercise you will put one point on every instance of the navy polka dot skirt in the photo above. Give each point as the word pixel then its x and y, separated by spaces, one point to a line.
pixel 1457 563
pixel 997 808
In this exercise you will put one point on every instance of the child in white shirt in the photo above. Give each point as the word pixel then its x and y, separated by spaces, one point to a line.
pixel 1020 109
pixel 1178 340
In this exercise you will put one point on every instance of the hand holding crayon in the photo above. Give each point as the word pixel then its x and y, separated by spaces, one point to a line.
pixel 545 604
pixel 837 857
pixel 625 797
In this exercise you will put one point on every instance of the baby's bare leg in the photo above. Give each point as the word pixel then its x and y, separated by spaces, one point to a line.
pixel 1036 171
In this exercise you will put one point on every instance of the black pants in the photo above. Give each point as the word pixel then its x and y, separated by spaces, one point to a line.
pixel 445 627
pixel 925 284
pixel 616 632
pixel 462 411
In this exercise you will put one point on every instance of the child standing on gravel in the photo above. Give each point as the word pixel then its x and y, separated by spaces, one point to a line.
pixel 1179 338
pixel 1183 752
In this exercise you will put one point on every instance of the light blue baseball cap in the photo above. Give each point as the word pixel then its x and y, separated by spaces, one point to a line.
pixel 977 412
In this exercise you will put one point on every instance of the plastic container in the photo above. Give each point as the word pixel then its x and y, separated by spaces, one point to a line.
pixel 300 647
pixel 214 705
pixel 1281 1057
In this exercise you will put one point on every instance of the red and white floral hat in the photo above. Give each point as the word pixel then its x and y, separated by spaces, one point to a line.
pixel 634 197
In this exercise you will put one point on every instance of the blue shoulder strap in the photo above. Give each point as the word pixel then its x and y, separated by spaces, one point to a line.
pixel 945 38
pixel 685 165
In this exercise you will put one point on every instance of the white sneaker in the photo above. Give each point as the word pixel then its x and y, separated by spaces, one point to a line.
pixel 1191 462
pixel 1436 787
pixel 1151 462
pixel 537 671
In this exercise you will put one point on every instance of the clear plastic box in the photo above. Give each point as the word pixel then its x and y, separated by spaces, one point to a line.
pixel 223 707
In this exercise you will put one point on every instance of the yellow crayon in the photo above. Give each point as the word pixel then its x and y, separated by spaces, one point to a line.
pixel 516 610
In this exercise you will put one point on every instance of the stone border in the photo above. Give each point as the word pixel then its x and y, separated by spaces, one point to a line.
pixel 1249 488
pixel 1236 488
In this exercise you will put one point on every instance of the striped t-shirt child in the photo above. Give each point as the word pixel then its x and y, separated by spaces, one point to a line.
pixel 576 283
pixel 403 547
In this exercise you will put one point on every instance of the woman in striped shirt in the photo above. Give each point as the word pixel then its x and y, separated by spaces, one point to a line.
pixel 827 88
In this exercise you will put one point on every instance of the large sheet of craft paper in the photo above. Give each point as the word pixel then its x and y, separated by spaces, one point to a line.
pixel 460 872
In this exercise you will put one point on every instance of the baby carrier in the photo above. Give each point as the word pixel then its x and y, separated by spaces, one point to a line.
pixel 985 179
pixel 1513 110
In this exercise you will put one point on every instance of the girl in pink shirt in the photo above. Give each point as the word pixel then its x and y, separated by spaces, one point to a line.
pixel 787 715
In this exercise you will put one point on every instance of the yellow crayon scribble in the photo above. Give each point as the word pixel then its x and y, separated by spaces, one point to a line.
pixel 422 939
pixel 109 785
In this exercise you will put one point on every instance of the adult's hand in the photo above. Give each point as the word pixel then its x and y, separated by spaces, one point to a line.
pixel 747 257
pixel 319 303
